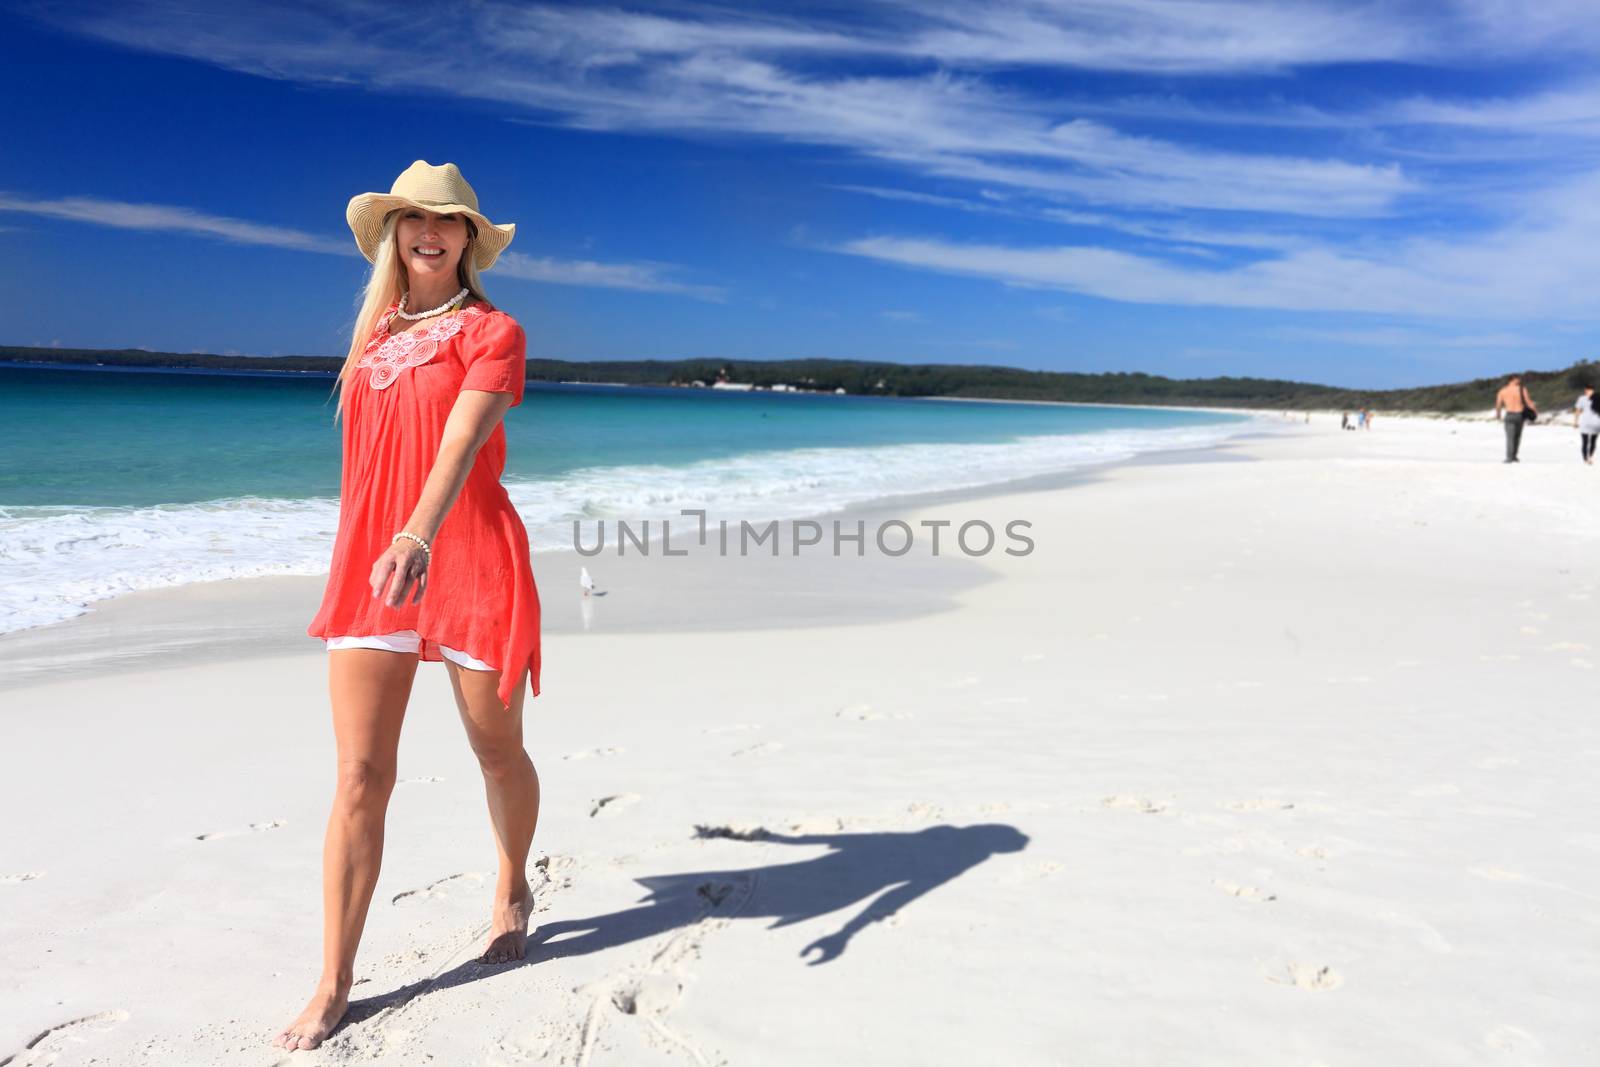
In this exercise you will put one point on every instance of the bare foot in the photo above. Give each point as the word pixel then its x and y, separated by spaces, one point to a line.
pixel 322 1014
pixel 508 935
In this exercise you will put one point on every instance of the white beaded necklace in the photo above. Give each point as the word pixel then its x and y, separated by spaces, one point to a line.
pixel 413 317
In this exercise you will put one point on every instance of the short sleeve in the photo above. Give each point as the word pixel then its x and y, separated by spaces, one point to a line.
pixel 495 352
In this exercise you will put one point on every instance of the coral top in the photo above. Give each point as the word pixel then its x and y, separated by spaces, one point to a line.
pixel 481 597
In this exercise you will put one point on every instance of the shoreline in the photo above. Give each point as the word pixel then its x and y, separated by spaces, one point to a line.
pixel 256 616
pixel 212 620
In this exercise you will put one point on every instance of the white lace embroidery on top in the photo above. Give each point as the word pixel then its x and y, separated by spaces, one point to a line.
pixel 389 354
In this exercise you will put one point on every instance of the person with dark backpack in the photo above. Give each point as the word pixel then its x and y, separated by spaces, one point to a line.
pixel 1513 404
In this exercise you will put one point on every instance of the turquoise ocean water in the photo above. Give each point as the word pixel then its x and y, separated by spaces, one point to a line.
pixel 115 480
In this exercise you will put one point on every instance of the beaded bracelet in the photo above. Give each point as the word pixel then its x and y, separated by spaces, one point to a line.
pixel 428 552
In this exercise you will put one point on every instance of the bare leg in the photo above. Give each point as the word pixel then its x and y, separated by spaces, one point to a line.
pixel 511 786
pixel 368 689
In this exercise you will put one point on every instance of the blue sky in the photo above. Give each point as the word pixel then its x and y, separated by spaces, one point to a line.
pixel 1363 194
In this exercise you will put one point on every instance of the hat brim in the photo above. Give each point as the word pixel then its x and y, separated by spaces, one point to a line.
pixel 365 214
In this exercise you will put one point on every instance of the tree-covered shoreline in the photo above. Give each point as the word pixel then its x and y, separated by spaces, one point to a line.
pixel 1552 388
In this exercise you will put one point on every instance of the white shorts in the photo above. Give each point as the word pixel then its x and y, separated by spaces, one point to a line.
pixel 407 641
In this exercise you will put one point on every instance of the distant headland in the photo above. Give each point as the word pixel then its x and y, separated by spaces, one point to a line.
pixel 871 378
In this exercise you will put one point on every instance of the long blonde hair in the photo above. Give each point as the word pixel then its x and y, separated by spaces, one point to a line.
pixel 385 284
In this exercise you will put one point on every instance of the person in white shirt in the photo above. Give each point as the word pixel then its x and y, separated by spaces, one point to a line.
pixel 1588 421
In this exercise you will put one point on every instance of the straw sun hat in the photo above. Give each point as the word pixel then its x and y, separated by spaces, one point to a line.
pixel 441 189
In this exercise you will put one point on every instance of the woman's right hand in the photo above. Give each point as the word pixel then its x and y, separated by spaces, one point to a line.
pixel 402 564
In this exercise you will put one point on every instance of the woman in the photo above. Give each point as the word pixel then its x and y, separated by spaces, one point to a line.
pixel 431 371
pixel 1588 422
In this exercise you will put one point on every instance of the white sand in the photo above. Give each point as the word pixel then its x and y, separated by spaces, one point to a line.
pixel 1303 748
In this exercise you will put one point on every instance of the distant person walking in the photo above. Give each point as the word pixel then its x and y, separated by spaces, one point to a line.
pixel 1587 421
pixel 1512 404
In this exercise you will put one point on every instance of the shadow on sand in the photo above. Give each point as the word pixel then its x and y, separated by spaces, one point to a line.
pixel 886 870
pixel 857 867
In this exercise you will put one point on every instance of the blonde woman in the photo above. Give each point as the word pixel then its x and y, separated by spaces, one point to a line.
pixel 431 561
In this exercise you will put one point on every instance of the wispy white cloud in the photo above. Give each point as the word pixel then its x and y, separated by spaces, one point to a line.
pixel 1571 109
pixel 708 71
pixel 167 218
pixel 1568 109
pixel 641 277
pixel 1177 233
pixel 1542 264
pixel 910 196
pixel 926 88
pixel 1150 36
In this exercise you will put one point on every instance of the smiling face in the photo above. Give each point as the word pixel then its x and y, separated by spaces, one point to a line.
pixel 430 244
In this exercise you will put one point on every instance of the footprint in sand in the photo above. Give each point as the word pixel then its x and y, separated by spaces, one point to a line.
pixel 1029 872
pixel 865 713
pixel 20 877
pixel 592 753
pixel 48 1045
pixel 1310 976
pixel 612 806
pixel 255 827
pixel 1258 804
pixel 1244 892
pixel 550 872
pixel 650 994
pixel 439 890
pixel 731 832
pixel 1430 938
pixel 1143 805
pixel 1228 846
pixel 765 748
pixel 1505 1038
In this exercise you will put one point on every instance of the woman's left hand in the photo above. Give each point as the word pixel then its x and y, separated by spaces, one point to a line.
pixel 402 564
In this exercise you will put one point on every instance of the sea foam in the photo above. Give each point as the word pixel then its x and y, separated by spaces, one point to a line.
pixel 59 560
